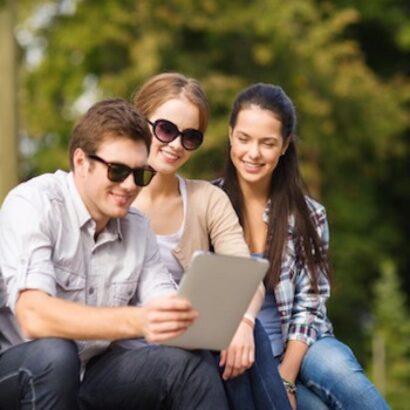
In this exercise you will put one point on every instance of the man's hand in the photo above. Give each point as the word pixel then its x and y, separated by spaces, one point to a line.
pixel 240 354
pixel 166 318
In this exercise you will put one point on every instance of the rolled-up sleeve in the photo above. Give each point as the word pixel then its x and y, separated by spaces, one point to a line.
pixel 25 246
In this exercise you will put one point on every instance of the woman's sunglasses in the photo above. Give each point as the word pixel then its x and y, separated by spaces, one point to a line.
pixel 166 131
pixel 119 172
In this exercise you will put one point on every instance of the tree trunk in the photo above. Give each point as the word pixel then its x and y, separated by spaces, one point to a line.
pixel 8 100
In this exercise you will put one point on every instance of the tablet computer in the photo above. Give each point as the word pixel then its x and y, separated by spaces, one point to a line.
pixel 220 288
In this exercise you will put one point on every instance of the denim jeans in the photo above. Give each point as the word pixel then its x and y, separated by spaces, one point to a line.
pixel 42 374
pixel 260 387
pixel 45 374
pixel 331 371
pixel 307 400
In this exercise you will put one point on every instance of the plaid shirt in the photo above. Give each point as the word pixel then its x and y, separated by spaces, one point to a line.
pixel 301 309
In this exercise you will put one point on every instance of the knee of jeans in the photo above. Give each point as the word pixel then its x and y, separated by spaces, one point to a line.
pixel 188 364
pixel 179 358
pixel 330 358
pixel 307 399
pixel 56 358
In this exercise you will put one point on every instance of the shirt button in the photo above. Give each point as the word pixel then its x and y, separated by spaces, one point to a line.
pixel 91 290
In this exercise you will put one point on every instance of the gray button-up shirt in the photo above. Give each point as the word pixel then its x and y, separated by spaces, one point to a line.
pixel 9 331
pixel 47 243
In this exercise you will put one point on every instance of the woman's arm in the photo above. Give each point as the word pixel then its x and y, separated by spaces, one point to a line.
pixel 227 237
pixel 240 354
pixel 290 366
pixel 309 317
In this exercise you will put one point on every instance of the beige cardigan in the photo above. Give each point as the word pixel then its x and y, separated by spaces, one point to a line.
pixel 210 220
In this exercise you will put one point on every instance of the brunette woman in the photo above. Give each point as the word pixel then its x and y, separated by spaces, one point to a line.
pixel 286 226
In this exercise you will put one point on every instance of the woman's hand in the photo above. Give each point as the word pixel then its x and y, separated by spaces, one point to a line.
pixel 292 401
pixel 240 355
pixel 290 366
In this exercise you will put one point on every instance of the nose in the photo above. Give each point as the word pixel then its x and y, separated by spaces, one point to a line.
pixel 254 151
pixel 129 184
pixel 176 144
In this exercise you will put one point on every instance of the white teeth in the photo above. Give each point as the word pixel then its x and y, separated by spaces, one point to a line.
pixel 170 155
pixel 252 165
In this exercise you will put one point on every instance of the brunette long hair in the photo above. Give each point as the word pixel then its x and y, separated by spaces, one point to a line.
pixel 286 192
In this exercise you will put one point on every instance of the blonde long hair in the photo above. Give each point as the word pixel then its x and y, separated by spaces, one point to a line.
pixel 163 87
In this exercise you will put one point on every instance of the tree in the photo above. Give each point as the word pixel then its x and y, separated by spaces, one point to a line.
pixel 8 103
pixel 383 31
pixel 391 333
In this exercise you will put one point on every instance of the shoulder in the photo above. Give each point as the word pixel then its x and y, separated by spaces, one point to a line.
pixel 40 191
pixel 203 189
pixel 209 202
pixel 317 211
pixel 314 206
pixel 219 182
pixel 135 229
pixel 135 219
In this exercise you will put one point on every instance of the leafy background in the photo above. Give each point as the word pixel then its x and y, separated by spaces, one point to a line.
pixel 345 64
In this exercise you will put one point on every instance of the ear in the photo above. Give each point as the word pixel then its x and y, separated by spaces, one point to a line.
pixel 80 162
pixel 285 146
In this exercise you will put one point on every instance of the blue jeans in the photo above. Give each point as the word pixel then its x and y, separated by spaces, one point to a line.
pixel 45 374
pixel 331 371
pixel 307 400
pixel 260 387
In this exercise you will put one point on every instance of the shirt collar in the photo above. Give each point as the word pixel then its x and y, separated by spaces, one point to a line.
pixel 83 216
pixel 114 228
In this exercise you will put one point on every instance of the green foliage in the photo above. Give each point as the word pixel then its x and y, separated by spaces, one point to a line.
pixel 392 327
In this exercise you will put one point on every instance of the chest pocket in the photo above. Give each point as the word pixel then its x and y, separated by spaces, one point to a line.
pixel 70 286
pixel 122 292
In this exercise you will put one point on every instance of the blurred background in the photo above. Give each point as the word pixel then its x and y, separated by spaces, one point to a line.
pixel 345 64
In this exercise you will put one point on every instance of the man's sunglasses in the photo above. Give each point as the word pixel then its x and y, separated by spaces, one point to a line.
pixel 119 172
pixel 166 131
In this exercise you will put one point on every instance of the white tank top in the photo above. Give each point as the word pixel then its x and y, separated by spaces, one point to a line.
pixel 167 243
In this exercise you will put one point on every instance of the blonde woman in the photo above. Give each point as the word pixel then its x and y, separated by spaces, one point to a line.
pixel 190 215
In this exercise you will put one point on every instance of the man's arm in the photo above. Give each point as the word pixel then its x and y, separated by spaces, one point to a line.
pixel 26 248
pixel 41 315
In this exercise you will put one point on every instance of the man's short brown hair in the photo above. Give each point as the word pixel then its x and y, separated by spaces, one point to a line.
pixel 108 118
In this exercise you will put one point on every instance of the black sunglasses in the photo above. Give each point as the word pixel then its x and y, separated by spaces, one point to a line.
pixel 119 172
pixel 166 131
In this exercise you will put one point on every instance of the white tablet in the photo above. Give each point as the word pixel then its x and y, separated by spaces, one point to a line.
pixel 220 288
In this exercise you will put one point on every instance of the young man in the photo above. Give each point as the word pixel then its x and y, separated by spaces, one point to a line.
pixel 76 262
